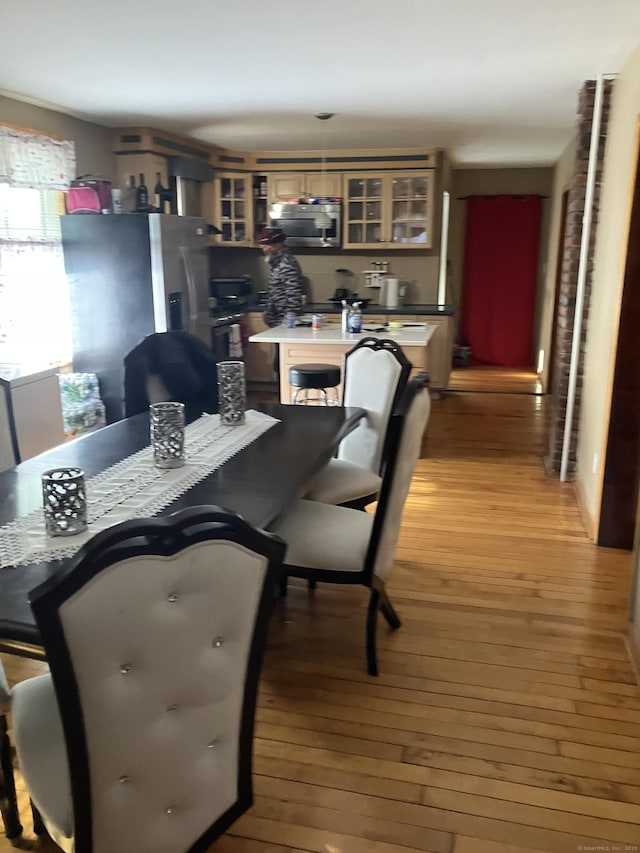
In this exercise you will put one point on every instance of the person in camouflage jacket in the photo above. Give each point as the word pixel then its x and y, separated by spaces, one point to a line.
pixel 285 277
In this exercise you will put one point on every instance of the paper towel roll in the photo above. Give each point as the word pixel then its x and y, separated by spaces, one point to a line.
pixel 392 292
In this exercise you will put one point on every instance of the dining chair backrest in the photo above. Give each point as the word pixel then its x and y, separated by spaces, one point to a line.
pixel 407 428
pixel 375 374
pixel 9 454
pixel 155 637
pixel 172 365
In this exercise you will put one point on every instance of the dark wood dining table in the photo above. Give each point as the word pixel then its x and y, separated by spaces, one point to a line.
pixel 260 482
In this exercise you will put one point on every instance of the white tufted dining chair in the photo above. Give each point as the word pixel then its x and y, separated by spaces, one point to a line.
pixel 376 371
pixel 140 739
pixel 336 544
pixel 9 454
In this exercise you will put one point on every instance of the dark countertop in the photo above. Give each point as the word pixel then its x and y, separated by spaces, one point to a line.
pixel 331 308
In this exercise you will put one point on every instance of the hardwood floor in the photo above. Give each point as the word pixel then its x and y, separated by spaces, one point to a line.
pixel 506 717
pixel 494 379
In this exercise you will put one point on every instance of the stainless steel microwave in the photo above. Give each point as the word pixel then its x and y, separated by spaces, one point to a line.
pixel 312 225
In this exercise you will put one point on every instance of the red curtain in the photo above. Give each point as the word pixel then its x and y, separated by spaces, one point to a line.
pixel 500 271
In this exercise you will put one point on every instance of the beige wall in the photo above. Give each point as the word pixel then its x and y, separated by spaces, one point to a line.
pixel 94 143
pixel 610 253
pixel 420 271
pixel 562 175
pixel 537 181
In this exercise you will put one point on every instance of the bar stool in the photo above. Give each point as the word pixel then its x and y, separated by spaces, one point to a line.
pixel 319 377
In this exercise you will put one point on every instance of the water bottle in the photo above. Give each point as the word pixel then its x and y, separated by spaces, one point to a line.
pixel 355 319
pixel 345 316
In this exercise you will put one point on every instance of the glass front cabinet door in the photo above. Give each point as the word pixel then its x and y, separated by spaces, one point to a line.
pixel 364 210
pixel 390 210
pixel 235 213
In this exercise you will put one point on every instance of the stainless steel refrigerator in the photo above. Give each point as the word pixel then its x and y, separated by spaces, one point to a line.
pixel 131 275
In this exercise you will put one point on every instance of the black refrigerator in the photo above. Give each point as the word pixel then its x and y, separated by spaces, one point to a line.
pixel 131 275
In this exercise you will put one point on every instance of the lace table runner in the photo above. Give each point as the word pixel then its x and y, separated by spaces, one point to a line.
pixel 133 488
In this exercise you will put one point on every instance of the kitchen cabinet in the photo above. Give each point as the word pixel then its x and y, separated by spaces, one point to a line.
pixel 390 210
pixel 260 206
pixel 295 185
pixel 258 356
pixel 147 164
pixel 234 209
pixel 439 356
pixel 37 411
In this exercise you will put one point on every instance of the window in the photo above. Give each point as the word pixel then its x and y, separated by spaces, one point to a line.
pixel 35 326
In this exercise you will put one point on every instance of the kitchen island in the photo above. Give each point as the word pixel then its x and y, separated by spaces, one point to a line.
pixel 259 355
pixel 328 345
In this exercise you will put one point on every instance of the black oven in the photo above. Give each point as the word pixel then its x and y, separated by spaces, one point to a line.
pixel 221 327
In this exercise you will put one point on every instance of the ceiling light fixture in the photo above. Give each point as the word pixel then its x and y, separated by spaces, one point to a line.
pixel 323 221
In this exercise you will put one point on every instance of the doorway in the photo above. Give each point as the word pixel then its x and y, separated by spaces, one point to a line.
pixel 502 244
pixel 501 255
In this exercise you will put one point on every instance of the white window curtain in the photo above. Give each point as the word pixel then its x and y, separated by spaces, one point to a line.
pixel 32 161
pixel 35 325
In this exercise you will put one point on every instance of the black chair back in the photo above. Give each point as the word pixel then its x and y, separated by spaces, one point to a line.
pixel 179 363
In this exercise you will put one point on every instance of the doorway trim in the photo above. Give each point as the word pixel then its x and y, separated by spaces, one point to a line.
pixel 564 209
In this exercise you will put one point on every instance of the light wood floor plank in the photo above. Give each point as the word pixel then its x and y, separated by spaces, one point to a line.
pixel 499 715
pixel 464 844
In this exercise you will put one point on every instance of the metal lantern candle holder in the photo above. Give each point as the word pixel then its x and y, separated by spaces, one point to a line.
pixel 64 500
pixel 232 392
pixel 167 434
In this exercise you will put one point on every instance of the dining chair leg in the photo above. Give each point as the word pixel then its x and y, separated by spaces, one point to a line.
pixel 312 585
pixel 393 620
pixel 282 586
pixel 372 621
pixel 38 824
pixel 8 801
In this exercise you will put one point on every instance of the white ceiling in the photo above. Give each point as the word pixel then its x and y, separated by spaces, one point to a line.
pixel 493 81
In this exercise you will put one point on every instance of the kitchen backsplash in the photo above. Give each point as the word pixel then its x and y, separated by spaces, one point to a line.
pixel 319 269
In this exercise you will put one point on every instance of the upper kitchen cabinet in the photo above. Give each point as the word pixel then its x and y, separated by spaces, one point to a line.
pixel 284 186
pixel 390 210
pixel 234 208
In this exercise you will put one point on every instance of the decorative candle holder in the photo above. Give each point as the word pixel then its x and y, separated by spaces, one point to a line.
pixel 167 434
pixel 232 392
pixel 64 500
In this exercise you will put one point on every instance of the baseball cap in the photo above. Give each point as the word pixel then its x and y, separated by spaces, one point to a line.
pixel 271 235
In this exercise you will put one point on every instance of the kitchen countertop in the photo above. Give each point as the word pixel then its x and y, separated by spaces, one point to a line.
pixel 16 375
pixel 414 336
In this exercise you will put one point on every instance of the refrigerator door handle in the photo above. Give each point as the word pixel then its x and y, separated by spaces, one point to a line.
pixel 192 304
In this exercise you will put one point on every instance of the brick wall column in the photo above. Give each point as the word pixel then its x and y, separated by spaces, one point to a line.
pixel 569 278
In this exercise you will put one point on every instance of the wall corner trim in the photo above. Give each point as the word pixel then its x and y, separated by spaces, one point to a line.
pixel 588 519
